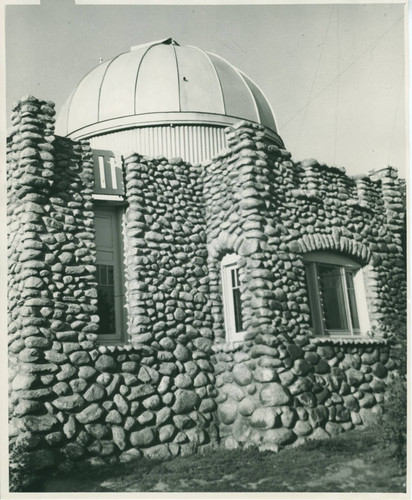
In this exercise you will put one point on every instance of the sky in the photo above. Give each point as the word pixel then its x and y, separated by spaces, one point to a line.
pixel 334 74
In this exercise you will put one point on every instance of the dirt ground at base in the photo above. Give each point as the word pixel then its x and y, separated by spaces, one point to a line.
pixel 315 470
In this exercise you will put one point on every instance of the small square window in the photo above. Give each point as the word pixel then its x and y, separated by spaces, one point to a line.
pixel 336 295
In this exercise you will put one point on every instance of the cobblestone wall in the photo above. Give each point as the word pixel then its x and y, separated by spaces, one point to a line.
pixel 271 212
pixel 177 385
pixel 52 289
pixel 71 399
pixel 282 384
pixel 273 394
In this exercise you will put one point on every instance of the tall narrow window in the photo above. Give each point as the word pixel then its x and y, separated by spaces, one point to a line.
pixel 107 299
pixel 232 304
pixel 336 295
pixel 109 275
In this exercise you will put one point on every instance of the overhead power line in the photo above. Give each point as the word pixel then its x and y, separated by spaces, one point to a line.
pixel 342 72
pixel 398 100
pixel 315 74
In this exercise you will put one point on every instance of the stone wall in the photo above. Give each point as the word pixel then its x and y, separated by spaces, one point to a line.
pixel 52 289
pixel 283 384
pixel 271 212
pixel 273 394
pixel 70 398
pixel 176 385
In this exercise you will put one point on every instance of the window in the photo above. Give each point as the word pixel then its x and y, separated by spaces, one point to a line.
pixel 232 304
pixel 336 295
pixel 108 176
pixel 109 275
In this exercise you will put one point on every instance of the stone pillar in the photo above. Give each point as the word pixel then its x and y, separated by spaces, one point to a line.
pixel 30 181
pixel 391 269
pixel 139 320
pixel 52 288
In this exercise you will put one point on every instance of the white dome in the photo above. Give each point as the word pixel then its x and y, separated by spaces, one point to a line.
pixel 164 99
pixel 162 82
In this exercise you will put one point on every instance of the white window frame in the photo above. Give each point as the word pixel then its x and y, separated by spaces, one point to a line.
pixel 116 215
pixel 230 262
pixel 315 301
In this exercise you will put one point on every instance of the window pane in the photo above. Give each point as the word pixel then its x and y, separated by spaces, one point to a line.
pixel 235 277
pixel 110 275
pixel 352 300
pixel 106 302
pixel 330 280
pixel 309 285
pixel 237 305
pixel 102 275
pixel 238 310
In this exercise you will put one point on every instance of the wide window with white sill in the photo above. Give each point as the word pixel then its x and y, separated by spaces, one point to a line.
pixel 232 303
pixel 110 275
pixel 336 295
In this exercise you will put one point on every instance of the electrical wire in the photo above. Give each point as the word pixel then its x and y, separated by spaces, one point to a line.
pixel 395 115
pixel 315 76
pixel 372 45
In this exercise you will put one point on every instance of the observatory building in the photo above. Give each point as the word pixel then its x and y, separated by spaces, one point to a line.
pixel 178 282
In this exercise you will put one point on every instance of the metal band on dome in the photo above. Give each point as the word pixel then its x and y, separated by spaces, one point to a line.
pixel 178 78
pixel 75 90
pixel 215 73
pixel 137 75
pixel 153 119
pixel 102 81
pixel 245 84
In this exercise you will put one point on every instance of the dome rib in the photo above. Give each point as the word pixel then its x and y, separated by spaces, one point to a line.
pixel 84 100
pixel 102 80
pixel 259 118
pixel 178 77
pixel 69 107
pixel 66 110
pixel 166 41
pixel 140 65
pixel 244 83
pixel 265 103
pixel 206 55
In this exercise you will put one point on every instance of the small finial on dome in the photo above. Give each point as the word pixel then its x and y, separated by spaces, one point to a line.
pixel 100 60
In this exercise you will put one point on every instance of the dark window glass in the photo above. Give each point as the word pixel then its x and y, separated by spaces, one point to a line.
pixel 237 304
pixel 105 297
pixel 308 286
pixel 332 296
pixel 352 300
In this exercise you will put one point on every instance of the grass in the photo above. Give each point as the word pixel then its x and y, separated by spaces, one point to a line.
pixel 356 461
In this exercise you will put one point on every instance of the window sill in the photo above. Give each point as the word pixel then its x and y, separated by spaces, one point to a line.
pixel 349 340
pixel 122 347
